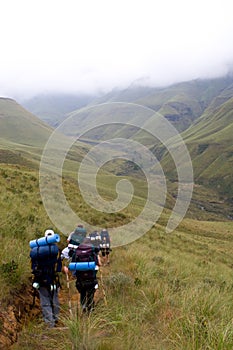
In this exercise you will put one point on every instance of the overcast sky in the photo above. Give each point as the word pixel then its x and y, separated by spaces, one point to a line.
pixel 83 45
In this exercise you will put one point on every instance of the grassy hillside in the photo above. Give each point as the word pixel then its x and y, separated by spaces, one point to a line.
pixel 203 108
pixel 19 126
pixel 180 103
pixel 210 144
pixel 164 291
pixel 23 137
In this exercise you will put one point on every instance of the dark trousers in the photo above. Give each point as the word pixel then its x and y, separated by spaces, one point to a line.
pixel 87 299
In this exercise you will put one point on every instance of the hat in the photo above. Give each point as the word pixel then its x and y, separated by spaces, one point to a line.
pixel 49 233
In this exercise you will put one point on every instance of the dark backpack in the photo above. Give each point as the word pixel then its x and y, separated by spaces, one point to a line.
pixel 46 262
pixel 95 239
pixel 85 253
pixel 105 239
pixel 78 236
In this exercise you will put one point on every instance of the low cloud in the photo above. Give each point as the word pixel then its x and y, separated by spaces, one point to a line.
pixel 89 46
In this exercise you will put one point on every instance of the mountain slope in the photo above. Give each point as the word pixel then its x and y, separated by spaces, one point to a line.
pixel 20 126
pixel 53 108
pixel 210 144
pixel 23 137
pixel 180 103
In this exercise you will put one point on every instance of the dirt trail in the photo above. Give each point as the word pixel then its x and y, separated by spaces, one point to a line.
pixel 70 298
pixel 15 316
pixel 21 311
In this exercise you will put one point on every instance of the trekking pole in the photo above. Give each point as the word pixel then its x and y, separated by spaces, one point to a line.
pixel 69 297
pixel 102 285
pixel 34 299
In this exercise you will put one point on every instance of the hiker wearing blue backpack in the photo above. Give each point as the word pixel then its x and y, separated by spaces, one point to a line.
pixel 46 263
pixel 85 264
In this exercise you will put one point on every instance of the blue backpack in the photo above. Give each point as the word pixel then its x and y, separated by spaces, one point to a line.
pixel 45 263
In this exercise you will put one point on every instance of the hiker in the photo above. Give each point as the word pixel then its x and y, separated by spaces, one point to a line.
pixel 95 239
pixel 67 252
pixel 77 236
pixel 73 240
pixel 105 246
pixel 86 280
pixel 66 256
pixel 46 263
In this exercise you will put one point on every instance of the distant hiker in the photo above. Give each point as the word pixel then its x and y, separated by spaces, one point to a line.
pixel 86 279
pixel 46 263
pixel 105 246
pixel 77 236
pixel 95 239
pixel 74 239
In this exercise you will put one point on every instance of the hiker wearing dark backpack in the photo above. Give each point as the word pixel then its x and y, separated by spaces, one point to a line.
pixel 95 239
pixel 105 246
pixel 86 279
pixel 77 236
pixel 74 239
pixel 46 263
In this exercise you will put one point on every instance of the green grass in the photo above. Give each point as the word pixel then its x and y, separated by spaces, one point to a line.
pixel 19 126
pixel 163 292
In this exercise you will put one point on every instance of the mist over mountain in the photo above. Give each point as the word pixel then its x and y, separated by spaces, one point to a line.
pixel 180 103
pixel 53 108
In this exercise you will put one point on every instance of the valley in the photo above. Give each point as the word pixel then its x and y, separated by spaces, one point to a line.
pixel 170 291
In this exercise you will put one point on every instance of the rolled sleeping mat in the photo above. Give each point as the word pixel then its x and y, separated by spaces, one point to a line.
pixel 43 252
pixel 82 266
pixel 45 240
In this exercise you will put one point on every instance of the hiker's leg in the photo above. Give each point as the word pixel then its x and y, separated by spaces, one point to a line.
pixel 103 256
pixel 83 298
pixel 107 254
pixel 56 305
pixel 46 306
pixel 90 299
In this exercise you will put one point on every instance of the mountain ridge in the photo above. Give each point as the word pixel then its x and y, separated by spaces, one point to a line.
pixel 203 111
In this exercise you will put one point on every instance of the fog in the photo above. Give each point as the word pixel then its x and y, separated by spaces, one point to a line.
pixel 93 46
